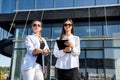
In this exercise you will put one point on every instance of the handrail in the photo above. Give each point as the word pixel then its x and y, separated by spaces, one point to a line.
pixel 82 39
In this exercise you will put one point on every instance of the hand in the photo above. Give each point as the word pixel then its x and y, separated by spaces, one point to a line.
pixel 67 49
pixel 46 51
pixel 69 44
pixel 37 51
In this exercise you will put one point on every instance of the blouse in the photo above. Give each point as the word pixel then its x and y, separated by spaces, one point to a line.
pixel 31 42
pixel 68 60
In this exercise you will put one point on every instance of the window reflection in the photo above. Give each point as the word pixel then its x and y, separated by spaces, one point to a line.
pixel 63 3
pixel 112 30
pixel 46 32
pixel 104 2
pixel 84 2
pixel 86 31
pixel 41 4
pixel 10 6
pixel 25 4
pixel 56 31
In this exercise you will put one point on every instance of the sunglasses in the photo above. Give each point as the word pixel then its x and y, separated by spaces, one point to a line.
pixel 35 25
pixel 67 25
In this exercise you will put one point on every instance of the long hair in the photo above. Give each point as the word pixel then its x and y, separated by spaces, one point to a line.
pixel 63 30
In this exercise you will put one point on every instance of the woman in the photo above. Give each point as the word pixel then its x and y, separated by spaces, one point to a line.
pixel 68 58
pixel 36 45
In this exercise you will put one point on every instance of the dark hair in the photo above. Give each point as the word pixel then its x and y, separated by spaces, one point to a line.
pixel 63 30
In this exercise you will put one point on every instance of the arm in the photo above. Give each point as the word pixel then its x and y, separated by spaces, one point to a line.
pixel 30 47
pixel 76 47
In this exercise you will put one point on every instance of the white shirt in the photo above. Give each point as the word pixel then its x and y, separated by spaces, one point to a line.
pixel 68 60
pixel 31 42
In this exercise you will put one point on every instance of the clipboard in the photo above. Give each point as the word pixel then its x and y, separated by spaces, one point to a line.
pixel 61 44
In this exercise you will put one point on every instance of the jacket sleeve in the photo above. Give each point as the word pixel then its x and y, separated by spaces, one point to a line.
pixel 76 48
pixel 57 53
pixel 29 45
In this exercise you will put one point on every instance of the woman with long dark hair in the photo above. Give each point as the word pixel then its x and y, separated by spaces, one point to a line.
pixel 67 64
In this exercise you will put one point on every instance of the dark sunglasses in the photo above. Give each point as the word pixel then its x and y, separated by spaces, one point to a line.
pixel 34 25
pixel 68 25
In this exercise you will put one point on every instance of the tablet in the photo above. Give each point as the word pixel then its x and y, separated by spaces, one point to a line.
pixel 61 44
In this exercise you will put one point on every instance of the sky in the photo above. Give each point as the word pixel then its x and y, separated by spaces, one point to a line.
pixel 4 61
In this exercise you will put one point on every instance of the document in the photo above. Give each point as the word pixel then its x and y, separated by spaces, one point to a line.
pixel 61 44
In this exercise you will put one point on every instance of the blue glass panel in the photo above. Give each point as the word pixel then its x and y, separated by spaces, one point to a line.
pixel 63 3
pixel 112 30
pixel 94 54
pixel 46 32
pixel 104 2
pixel 41 4
pixel 82 54
pixel 93 44
pixel 56 31
pixel 26 4
pixel 84 2
pixel 0 6
pixel 112 53
pixel 112 43
pixel 8 6
pixel 20 32
pixel 86 31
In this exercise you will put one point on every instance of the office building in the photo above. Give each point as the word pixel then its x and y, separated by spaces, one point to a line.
pixel 97 23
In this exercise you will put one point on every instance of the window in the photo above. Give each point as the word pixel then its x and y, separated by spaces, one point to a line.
pixel 10 6
pixel 56 31
pixel 26 4
pixel 63 3
pixel 86 31
pixel 112 30
pixel 46 31
pixel 84 2
pixel 105 2
pixel 41 4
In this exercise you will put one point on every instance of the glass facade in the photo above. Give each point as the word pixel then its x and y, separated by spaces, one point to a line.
pixel 99 58
pixel 48 4
pixel 100 40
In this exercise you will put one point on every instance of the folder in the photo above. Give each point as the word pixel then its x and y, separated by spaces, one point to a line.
pixel 61 44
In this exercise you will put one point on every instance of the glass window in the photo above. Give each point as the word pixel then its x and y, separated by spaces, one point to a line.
pixel 87 44
pixel 82 59
pixel 113 43
pixel 63 3
pixel 20 33
pixel 112 53
pixel 56 31
pixel 0 6
pixel 112 30
pixel 104 2
pixel 46 32
pixel 110 74
pixel 10 6
pixel 44 4
pixel 84 2
pixel 17 61
pixel 94 63
pixel 86 31
pixel 26 4
pixel 94 54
